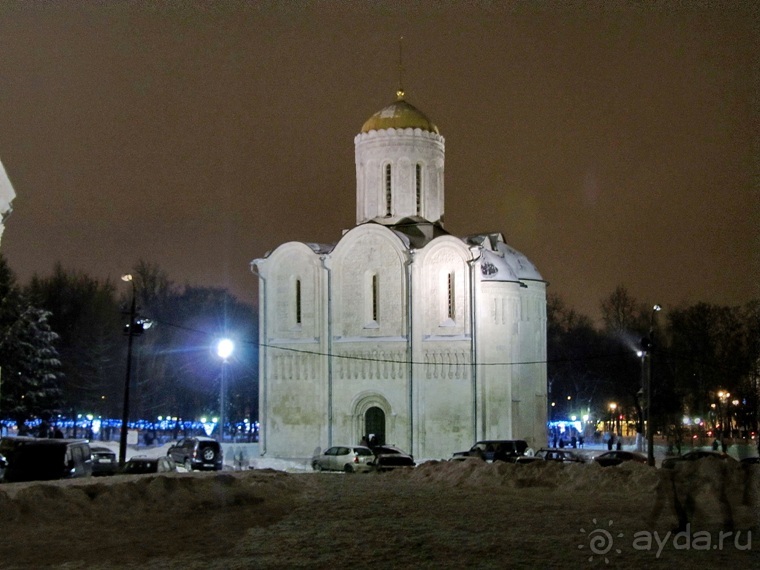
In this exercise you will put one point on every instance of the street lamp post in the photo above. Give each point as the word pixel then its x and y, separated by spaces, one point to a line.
pixel 127 380
pixel 640 429
pixel 724 417
pixel 224 349
pixel 650 428
pixel 613 407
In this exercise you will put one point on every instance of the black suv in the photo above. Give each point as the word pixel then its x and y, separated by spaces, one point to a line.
pixel 495 450
pixel 200 453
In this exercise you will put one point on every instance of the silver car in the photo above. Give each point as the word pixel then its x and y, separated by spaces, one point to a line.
pixel 562 455
pixel 347 458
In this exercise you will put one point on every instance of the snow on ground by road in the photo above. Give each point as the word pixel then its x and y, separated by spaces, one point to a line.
pixel 442 514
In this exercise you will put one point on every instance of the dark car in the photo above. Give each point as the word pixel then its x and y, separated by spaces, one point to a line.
pixel 388 457
pixel 561 455
pixel 751 461
pixel 612 458
pixel 347 458
pixel 197 453
pixel 141 465
pixel 697 454
pixel 9 444
pixel 495 450
pixel 103 461
pixel 31 459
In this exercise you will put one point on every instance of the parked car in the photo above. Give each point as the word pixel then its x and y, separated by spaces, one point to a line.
pixel 347 458
pixel 388 457
pixel 560 454
pixel 495 450
pixel 611 458
pixel 697 454
pixel 103 461
pixel 523 459
pixel 140 465
pixel 197 453
pixel 9 444
pixel 31 459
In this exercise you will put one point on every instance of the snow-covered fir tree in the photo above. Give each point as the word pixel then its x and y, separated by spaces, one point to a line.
pixel 29 363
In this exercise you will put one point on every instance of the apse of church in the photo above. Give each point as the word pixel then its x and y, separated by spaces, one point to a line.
pixel 400 330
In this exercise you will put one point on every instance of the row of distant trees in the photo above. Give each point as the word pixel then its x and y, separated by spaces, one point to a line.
pixel 699 354
pixel 63 348
pixel 63 351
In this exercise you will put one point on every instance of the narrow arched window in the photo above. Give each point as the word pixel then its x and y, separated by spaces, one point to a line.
pixel 418 187
pixel 375 293
pixel 298 301
pixel 388 193
pixel 451 297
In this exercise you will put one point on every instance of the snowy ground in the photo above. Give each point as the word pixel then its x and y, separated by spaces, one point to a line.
pixel 464 514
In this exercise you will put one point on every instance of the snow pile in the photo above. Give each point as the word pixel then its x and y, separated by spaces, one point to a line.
pixel 139 495
pixel 435 515
pixel 546 474
pixel 709 493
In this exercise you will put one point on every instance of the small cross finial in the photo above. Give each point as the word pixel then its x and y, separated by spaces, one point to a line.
pixel 400 91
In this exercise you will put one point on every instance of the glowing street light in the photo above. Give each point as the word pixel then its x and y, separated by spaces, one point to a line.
pixel 125 411
pixel 224 349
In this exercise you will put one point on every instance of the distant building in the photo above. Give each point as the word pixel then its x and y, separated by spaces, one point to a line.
pixel 6 198
pixel 400 330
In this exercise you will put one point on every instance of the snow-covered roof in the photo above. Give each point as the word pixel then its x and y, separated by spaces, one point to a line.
pixel 498 261
pixel 320 248
pixel 493 267
pixel 501 262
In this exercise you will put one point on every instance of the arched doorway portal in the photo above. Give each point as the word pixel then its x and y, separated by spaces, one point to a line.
pixel 374 424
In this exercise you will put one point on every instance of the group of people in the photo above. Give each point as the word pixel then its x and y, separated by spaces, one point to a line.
pixel 614 441
pixel 558 440
pixel 370 441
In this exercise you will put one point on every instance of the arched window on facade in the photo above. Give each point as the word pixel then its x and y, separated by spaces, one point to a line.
pixel 298 301
pixel 388 188
pixel 418 187
pixel 375 293
pixel 451 297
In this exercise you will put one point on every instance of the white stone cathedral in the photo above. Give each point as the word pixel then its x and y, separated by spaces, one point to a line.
pixel 400 330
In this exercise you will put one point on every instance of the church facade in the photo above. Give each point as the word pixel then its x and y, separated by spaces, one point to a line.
pixel 400 331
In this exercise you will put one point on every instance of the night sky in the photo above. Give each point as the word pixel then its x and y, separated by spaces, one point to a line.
pixel 609 142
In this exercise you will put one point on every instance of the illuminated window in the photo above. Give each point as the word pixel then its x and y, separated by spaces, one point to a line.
pixel 298 301
pixel 418 184
pixel 387 189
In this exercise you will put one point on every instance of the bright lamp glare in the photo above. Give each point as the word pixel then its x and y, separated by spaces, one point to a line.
pixel 224 348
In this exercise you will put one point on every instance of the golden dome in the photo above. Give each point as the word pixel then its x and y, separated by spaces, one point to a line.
pixel 399 115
